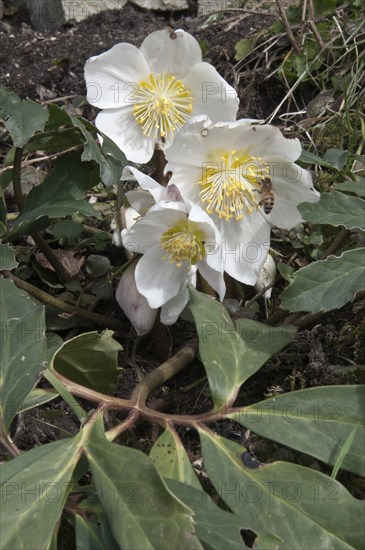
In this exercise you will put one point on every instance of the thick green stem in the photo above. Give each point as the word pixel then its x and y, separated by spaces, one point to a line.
pixel 163 373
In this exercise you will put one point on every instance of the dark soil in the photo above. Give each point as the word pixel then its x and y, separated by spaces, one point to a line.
pixel 41 65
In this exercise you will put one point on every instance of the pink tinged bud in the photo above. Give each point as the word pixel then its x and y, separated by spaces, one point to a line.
pixel 266 276
pixel 134 305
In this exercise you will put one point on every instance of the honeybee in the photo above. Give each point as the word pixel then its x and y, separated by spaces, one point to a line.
pixel 267 196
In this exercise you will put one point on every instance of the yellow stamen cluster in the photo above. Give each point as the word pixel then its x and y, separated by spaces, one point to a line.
pixel 183 241
pixel 162 105
pixel 231 186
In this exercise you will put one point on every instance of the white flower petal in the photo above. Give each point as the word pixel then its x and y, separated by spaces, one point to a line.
pixel 190 146
pixel 112 77
pixel 171 53
pixel 211 94
pixel 245 245
pixel 186 179
pixel 131 216
pixel 292 185
pixel 206 224
pixel 172 309
pixel 144 234
pixel 121 127
pixel 157 279
pixel 140 200
pixel 147 183
pixel 265 140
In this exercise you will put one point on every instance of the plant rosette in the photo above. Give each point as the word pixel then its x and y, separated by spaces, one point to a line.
pixel 148 94
pixel 243 174
pixel 177 239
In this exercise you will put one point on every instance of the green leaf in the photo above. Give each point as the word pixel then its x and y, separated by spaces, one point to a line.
pixel 7 257
pixel 324 8
pixel 310 158
pixel 231 354
pixel 214 527
pixel 88 535
pixel 3 212
pixel 61 194
pixel 303 507
pixel 54 142
pixel 68 398
pixel 141 510
pixel 286 271
pixel 91 149
pixel 343 453
pixel 67 229
pixel 357 186
pixel 335 208
pixel 243 48
pixel 37 397
pixel 23 348
pixel 315 421
pixel 90 359
pixel 109 157
pixel 97 265
pixel 337 157
pixel 34 489
pixel 267 541
pixel 170 458
pixel 22 119
pixel 326 284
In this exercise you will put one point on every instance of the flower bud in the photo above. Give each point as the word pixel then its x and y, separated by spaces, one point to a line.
pixel 266 276
pixel 134 305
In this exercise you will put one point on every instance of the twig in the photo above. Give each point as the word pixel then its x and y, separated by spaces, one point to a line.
pixel 317 35
pixel 50 157
pixel 58 99
pixel 288 30
pixel 103 320
pixel 337 242
pixel 9 445
pixel 42 159
pixel 313 25
pixel 90 230
pixel 52 257
pixel 17 186
pixel 239 10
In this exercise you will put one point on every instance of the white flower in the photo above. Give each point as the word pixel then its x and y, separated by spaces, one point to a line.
pixel 176 240
pixel 149 192
pixel 244 175
pixel 148 94
pixel 134 305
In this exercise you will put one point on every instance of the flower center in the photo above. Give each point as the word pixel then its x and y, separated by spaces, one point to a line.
pixel 183 242
pixel 162 105
pixel 232 186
